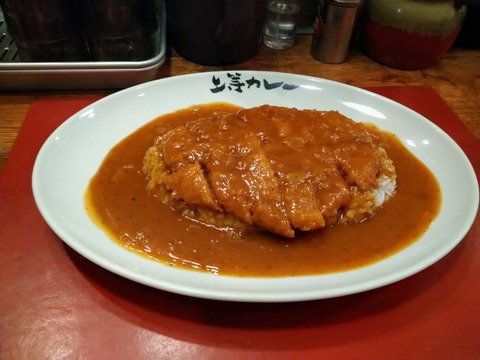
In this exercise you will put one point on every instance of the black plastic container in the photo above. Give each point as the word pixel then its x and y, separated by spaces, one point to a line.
pixel 216 32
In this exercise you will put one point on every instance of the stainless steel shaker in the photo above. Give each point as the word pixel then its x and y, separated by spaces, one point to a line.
pixel 334 29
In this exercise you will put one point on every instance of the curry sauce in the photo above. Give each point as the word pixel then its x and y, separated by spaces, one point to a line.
pixel 118 202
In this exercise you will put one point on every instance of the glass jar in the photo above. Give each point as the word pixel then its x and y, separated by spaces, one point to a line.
pixel 410 34
pixel 119 30
pixel 44 31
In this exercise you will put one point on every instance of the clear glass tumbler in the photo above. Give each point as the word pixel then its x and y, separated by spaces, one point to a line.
pixel 280 27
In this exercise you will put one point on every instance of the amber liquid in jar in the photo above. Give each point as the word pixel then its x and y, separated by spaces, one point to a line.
pixel 44 31
pixel 119 30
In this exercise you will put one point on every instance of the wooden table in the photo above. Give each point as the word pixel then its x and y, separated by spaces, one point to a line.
pixel 456 79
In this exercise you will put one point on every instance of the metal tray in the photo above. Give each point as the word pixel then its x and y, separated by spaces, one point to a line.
pixel 18 75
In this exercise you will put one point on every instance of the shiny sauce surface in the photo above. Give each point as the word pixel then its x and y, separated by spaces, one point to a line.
pixel 119 203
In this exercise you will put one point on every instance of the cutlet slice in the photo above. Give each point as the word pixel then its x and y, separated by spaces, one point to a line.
pixel 276 168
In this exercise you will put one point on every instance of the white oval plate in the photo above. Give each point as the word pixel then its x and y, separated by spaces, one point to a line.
pixel 74 151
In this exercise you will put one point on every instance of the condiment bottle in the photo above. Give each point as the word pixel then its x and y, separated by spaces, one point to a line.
pixel 334 29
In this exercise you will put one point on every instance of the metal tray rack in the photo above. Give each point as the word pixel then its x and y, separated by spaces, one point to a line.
pixel 18 75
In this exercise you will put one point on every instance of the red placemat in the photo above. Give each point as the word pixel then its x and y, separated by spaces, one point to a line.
pixel 56 304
